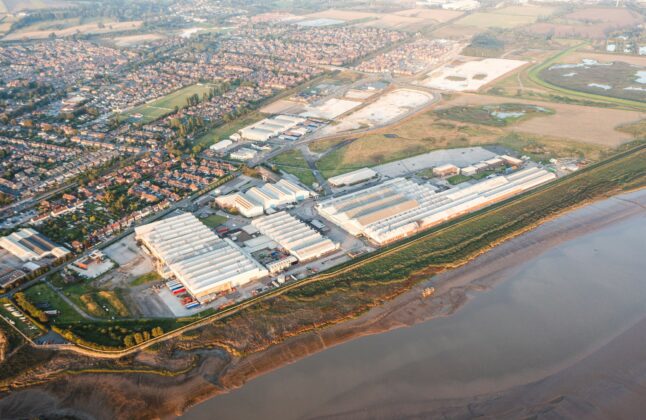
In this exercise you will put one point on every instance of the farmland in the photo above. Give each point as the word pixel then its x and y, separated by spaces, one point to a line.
pixel 495 20
pixel 158 108
pixel 68 28
pixel 588 23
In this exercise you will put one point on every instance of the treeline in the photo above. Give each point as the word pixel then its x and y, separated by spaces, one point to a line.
pixel 119 10
pixel 140 337
pixel 30 308
pixel 484 45
pixel 114 332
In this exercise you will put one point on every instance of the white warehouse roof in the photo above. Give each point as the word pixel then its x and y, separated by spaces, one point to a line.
pixel 258 199
pixel 221 145
pixel 399 207
pixel 354 177
pixel 29 245
pixel 199 259
pixel 298 238
pixel 269 127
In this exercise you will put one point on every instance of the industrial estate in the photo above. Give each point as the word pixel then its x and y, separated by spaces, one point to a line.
pixel 175 171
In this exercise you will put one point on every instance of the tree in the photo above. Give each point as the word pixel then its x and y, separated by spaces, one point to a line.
pixel 128 341
pixel 157 331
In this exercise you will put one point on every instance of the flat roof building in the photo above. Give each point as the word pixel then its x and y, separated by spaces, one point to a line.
pixel 295 236
pixel 270 127
pixel 255 200
pixel 400 207
pixel 243 153
pixel 29 245
pixel 203 262
pixel 446 170
pixel 352 178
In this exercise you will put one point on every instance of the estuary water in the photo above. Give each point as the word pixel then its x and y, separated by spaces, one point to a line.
pixel 545 315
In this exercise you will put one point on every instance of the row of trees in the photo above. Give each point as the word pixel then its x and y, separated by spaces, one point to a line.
pixel 30 308
pixel 140 337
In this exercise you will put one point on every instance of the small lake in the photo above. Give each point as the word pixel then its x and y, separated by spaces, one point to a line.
pixel 553 310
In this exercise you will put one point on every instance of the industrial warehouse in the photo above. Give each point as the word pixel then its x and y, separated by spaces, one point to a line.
pixel 204 263
pixel 272 127
pixel 257 200
pixel 298 238
pixel 399 207
pixel 29 245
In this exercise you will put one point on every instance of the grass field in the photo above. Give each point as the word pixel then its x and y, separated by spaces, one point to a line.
pixel 293 162
pixel 151 277
pixel 65 29
pixel 213 220
pixel 41 294
pixel 161 107
pixel 98 303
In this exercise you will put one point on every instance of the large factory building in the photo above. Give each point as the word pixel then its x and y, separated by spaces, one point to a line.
pixel 204 263
pixel 29 245
pixel 256 200
pixel 298 238
pixel 399 207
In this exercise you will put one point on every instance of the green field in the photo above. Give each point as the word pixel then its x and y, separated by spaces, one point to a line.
pixel 42 294
pixel 213 220
pixel 151 277
pixel 293 162
pixel 161 107
pixel 95 302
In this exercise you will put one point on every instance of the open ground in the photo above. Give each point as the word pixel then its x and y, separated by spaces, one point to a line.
pixel 384 110
pixel 580 123
pixel 406 22
pixel 85 29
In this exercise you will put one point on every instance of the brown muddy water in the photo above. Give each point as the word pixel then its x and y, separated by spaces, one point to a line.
pixel 541 317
